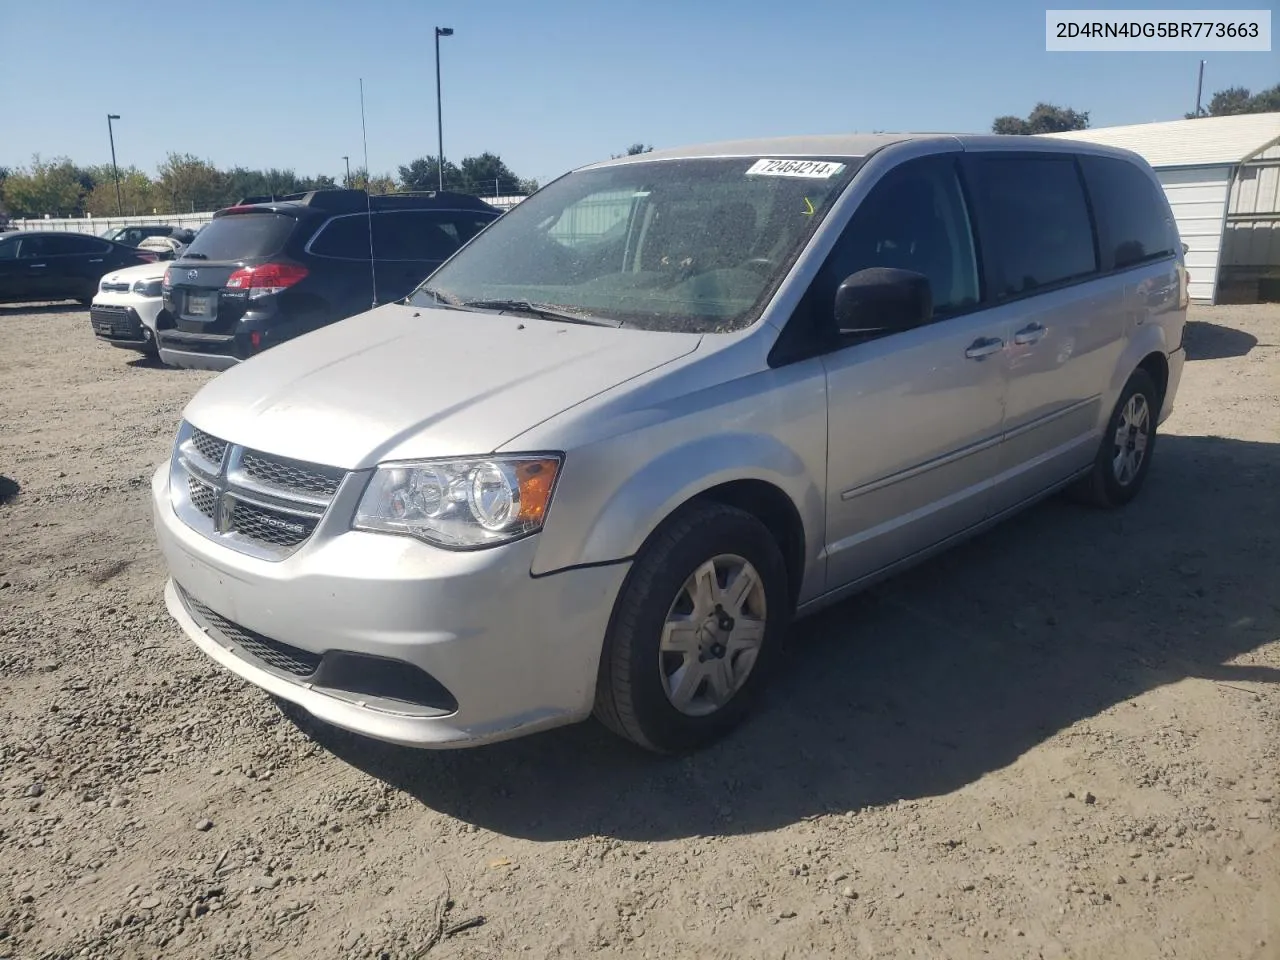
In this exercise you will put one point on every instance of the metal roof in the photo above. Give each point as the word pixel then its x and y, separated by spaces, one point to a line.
pixel 1189 143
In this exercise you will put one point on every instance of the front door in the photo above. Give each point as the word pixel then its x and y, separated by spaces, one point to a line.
pixel 914 418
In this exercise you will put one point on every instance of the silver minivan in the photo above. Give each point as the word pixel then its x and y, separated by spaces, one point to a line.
pixel 601 458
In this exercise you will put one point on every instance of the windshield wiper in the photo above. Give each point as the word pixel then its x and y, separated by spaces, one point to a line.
pixel 544 311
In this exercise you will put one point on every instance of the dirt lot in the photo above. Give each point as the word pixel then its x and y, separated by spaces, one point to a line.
pixel 1062 740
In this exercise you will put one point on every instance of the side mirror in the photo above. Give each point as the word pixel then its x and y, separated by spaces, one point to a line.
pixel 1186 248
pixel 883 300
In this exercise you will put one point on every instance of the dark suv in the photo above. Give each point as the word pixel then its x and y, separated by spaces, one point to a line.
pixel 262 273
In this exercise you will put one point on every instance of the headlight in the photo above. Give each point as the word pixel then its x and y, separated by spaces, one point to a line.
pixel 148 288
pixel 460 503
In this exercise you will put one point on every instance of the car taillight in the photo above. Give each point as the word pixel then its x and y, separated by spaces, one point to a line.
pixel 264 280
pixel 168 276
pixel 148 256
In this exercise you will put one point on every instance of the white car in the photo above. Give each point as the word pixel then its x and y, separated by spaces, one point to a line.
pixel 124 310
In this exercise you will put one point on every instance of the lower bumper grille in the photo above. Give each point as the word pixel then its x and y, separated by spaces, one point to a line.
pixel 271 653
pixel 379 682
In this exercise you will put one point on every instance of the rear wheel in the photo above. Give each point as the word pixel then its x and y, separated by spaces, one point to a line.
pixel 1124 456
pixel 697 623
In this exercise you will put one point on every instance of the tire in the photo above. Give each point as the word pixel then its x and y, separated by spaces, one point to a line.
pixel 85 301
pixel 641 678
pixel 1110 483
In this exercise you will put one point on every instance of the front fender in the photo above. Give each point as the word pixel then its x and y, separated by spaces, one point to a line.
pixel 617 523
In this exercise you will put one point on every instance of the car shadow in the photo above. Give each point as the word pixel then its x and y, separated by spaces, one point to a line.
pixel 146 362
pixel 927 682
pixel 28 309
pixel 1212 341
pixel 8 489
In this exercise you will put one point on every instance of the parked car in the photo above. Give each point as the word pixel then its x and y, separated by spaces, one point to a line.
pixel 262 273
pixel 134 234
pixel 125 310
pixel 170 247
pixel 590 468
pixel 48 265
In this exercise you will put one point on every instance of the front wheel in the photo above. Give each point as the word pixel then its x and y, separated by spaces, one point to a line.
pixel 1124 456
pixel 695 628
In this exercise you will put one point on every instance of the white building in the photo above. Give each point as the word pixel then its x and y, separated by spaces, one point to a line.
pixel 1222 178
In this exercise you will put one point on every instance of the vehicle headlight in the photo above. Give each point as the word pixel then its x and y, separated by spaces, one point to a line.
pixel 148 288
pixel 473 502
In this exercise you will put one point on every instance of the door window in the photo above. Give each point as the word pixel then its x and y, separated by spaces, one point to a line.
pixel 344 238
pixel 1036 226
pixel 915 219
pixel 1134 218
pixel 9 250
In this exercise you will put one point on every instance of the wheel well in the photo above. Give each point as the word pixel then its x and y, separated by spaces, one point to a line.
pixel 774 509
pixel 1157 367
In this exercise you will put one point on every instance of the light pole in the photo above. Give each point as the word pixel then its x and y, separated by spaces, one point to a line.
pixel 347 160
pixel 440 32
pixel 114 169
pixel 1199 88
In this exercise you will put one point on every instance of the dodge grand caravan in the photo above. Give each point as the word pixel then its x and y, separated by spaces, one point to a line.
pixel 600 458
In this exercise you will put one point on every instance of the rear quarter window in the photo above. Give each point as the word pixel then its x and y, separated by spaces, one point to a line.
pixel 1035 225
pixel 1134 221
pixel 243 236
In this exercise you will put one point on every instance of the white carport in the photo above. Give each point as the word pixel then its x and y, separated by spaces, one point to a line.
pixel 1222 178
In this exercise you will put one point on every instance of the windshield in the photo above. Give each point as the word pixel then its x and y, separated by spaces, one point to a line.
pixel 679 245
pixel 241 236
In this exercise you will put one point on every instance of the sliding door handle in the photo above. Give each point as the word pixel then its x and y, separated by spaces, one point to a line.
pixel 984 347
pixel 1031 333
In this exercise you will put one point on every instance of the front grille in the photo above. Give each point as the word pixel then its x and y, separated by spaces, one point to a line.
pixel 253 502
pixel 291 475
pixel 271 653
pixel 115 323
pixel 271 526
pixel 203 497
pixel 209 447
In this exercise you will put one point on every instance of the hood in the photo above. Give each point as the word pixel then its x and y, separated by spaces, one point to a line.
pixel 144 271
pixel 405 382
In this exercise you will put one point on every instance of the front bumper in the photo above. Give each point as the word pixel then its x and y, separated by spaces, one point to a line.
pixel 516 653
pixel 123 324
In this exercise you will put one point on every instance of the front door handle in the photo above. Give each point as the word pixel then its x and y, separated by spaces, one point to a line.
pixel 96 260
pixel 1031 333
pixel 37 266
pixel 984 347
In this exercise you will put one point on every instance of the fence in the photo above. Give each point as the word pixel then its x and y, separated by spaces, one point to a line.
pixel 100 225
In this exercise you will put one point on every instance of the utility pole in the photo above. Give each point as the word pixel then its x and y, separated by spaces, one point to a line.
pixel 114 169
pixel 1199 88
pixel 440 32
pixel 347 160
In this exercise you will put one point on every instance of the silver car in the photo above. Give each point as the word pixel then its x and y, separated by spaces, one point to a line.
pixel 599 460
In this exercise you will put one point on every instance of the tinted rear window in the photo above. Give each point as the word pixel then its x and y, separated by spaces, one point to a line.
pixel 1135 222
pixel 243 236
pixel 1036 225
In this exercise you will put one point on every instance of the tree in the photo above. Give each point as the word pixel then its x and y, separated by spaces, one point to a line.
pixel 377 184
pixel 50 187
pixel 487 176
pixel 1045 118
pixel 135 194
pixel 1238 100
pixel 423 174
pixel 634 150
pixel 189 183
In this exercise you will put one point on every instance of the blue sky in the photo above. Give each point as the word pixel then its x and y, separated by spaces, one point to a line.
pixel 547 85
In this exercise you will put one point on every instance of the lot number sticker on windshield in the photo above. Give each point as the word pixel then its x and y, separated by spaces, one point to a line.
pixel 813 169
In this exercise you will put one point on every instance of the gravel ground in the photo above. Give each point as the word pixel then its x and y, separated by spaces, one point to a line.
pixel 1061 740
